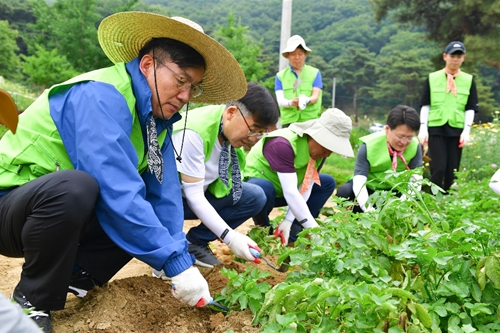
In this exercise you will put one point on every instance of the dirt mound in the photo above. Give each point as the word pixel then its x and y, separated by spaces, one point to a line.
pixel 145 304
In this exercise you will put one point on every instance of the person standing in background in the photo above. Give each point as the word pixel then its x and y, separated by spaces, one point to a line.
pixel 298 87
pixel 449 103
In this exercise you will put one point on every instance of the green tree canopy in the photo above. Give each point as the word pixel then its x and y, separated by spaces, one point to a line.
pixel 9 66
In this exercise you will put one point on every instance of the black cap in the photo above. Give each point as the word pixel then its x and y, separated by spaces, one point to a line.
pixel 455 47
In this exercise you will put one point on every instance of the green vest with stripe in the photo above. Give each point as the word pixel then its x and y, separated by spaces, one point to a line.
pixel 380 160
pixel 446 107
pixel 37 148
pixel 206 121
pixel 312 111
pixel 258 166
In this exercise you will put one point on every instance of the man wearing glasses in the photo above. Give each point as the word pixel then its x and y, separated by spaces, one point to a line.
pixel 89 181
pixel 209 171
pixel 395 149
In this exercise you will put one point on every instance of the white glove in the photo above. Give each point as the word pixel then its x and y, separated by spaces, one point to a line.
pixel 190 287
pixel 464 137
pixel 283 231
pixel 303 101
pixel 240 245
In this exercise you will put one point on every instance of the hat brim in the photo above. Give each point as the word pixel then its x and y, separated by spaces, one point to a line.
pixel 454 50
pixel 324 137
pixel 123 35
pixel 9 116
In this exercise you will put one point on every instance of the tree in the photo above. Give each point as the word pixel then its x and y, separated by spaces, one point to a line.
pixel 355 69
pixel 477 23
pixel 70 26
pixel 246 51
pixel 45 68
pixel 9 66
pixel 402 68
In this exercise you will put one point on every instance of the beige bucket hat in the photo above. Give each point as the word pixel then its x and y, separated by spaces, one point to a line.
pixel 8 111
pixel 294 42
pixel 123 35
pixel 331 130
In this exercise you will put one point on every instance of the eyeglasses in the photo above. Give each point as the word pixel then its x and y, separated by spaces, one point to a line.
pixel 251 132
pixel 408 139
pixel 183 84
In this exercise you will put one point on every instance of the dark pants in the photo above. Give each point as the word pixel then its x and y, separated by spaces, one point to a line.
pixel 250 203
pixel 319 196
pixel 50 221
pixel 346 191
pixel 445 159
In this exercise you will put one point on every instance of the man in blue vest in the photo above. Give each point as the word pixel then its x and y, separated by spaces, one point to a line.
pixel 89 180
pixel 449 103
pixel 210 171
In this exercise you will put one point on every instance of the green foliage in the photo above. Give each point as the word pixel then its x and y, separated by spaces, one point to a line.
pixel 247 53
pixel 46 68
pixel 243 289
pixel 9 66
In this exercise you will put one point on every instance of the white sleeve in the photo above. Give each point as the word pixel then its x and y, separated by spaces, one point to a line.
pixel 495 182
pixel 289 215
pixel 280 98
pixel 195 197
pixel 14 320
pixel 424 114
pixel 295 201
pixel 360 191
pixel 193 156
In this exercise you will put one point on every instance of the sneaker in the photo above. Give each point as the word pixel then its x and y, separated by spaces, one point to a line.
pixel 41 317
pixel 161 275
pixel 204 255
pixel 81 282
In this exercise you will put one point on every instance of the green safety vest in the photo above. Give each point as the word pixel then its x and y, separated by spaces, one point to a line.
pixel 380 160
pixel 37 148
pixel 258 166
pixel 446 107
pixel 291 114
pixel 206 121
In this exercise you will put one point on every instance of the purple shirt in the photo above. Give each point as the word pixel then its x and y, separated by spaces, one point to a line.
pixel 279 153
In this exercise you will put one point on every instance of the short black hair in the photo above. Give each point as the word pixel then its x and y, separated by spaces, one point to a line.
pixel 168 49
pixel 404 115
pixel 260 104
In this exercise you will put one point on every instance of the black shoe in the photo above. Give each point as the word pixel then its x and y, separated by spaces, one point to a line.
pixel 41 317
pixel 81 282
pixel 204 256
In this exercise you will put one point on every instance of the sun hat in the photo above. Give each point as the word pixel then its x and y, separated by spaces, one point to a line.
pixel 8 114
pixel 455 47
pixel 294 42
pixel 331 130
pixel 123 35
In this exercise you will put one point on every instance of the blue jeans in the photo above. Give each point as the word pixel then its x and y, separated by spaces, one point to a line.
pixel 251 202
pixel 318 198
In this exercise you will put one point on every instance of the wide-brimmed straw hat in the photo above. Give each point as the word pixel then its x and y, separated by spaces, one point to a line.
pixel 8 111
pixel 292 44
pixel 123 35
pixel 331 130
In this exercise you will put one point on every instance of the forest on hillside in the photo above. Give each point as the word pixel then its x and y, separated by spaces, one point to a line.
pixel 377 53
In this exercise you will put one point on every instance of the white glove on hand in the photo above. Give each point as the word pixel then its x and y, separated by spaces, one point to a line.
pixel 464 137
pixel 423 134
pixel 190 287
pixel 283 231
pixel 240 245
pixel 303 101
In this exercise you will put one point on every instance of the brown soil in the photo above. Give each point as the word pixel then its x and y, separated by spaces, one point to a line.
pixel 134 301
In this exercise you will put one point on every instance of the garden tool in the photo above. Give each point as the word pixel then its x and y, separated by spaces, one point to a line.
pixel 256 254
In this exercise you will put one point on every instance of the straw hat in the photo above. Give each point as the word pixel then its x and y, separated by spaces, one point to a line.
pixel 332 131
pixel 123 35
pixel 292 44
pixel 8 111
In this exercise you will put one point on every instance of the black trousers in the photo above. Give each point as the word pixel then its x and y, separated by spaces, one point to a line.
pixel 346 191
pixel 51 222
pixel 445 159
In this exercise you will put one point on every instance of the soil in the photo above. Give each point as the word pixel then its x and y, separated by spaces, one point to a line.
pixel 134 301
